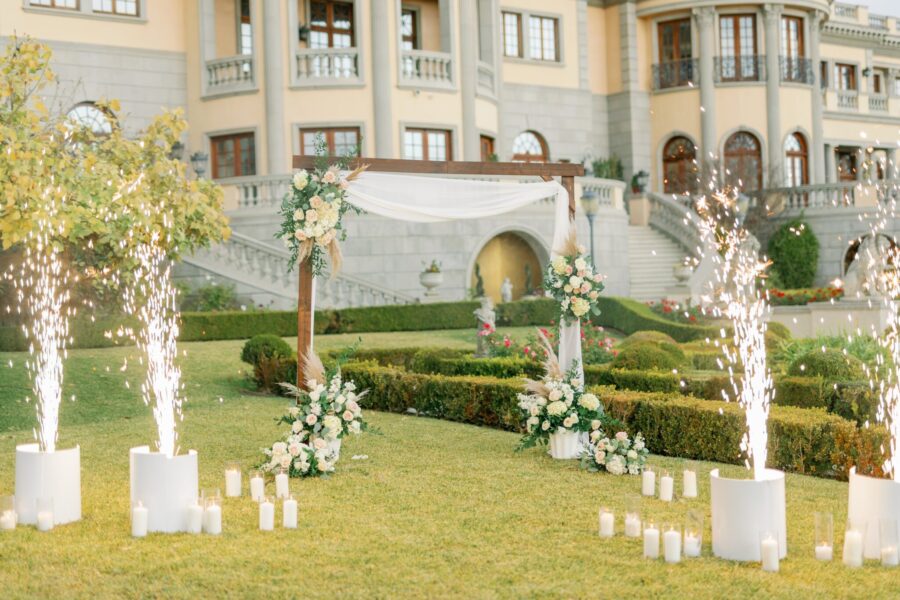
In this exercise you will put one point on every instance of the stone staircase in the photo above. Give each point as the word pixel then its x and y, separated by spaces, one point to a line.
pixel 652 256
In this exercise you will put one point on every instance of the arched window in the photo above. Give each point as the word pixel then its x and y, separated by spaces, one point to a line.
pixel 91 116
pixel 529 146
pixel 679 166
pixel 743 161
pixel 795 161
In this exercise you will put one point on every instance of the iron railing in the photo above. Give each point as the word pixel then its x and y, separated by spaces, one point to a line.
pixel 740 68
pixel 676 73
pixel 796 69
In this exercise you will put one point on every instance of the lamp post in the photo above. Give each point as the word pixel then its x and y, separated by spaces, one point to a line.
pixel 590 203
pixel 198 163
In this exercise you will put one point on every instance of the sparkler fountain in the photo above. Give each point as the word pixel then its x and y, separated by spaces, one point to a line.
pixel 162 481
pixel 45 473
pixel 743 510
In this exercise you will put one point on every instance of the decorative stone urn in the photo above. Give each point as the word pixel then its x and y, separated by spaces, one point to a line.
pixel 682 273
pixel 431 280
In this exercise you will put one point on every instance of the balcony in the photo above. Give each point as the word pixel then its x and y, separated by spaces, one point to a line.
pixel 878 104
pixel 230 75
pixel 731 69
pixel 676 73
pixel 796 70
pixel 878 22
pixel 847 99
pixel 321 67
pixel 426 69
pixel 846 11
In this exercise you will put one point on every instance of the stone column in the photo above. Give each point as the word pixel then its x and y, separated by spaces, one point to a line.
pixel 468 71
pixel 381 78
pixel 816 154
pixel 860 163
pixel 273 57
pixel 891 167
pixel 705 18
pixel 773 86
pixel 830 165
pixel 206 10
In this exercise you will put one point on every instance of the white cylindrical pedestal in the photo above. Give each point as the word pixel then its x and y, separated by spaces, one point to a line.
pixel 743 510
pixel 166 486
pixel 872 499
pixel 565 445
pixel 55 475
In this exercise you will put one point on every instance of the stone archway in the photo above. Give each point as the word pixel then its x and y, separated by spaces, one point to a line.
pixel 507 254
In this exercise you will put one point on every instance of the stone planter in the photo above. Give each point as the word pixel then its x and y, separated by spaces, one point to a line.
pixel 682 273
pixel 48 475
pixel 745 509
pixel 166 486
pixel 431 281
pixel 565 445
pixel 870 500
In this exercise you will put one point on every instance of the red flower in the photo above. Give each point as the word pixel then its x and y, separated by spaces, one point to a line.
pixel 693 318
pixel 487 325
pixel 507 342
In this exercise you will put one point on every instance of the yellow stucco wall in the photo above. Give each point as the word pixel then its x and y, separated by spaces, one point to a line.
pixel 565 74
pixel 506 256
pixel 226 28
pixel 671 113
pixel 429 23
pixel 486 118
pixel 613 51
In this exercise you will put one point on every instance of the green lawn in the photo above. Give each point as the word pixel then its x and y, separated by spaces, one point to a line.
pixel 438 509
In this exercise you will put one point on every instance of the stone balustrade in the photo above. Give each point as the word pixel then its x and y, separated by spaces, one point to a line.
pixel 228 75
pixel 426 69
pixel 332 66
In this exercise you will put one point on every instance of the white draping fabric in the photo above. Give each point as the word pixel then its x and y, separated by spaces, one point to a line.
pixel 436 199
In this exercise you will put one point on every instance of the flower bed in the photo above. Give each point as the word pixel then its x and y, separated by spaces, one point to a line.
pixel 678 312
pixel 803 296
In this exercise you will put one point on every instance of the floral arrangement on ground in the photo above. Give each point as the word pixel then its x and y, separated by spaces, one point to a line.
pixel 325 412
pixel 571 281
pixel 618 454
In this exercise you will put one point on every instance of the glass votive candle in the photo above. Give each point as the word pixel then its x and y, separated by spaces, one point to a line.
pixel 888 540
pixel 139 520
pixel 671 543
pixel 45 513
pixel 854 543
pixel 651 540
pixel 689 480
pixel 8 517
pixel 666 487
pixel 607 523
pixel 768 551
pixel 212 513
pixel 266 514
pixel 693 534
pixel 648 481
pixel 257 485
pixel 232 479
pixel 824 540
pixel 282 484
pixel 633 517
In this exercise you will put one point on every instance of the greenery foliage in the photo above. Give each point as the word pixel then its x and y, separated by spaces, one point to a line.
pixel 645 356
pixel 264 346
pixel 794 251
pixel 608 168
pixel 831 365
pixel 210 298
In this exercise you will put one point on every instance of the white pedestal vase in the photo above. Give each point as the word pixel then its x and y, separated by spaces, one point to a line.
pixel 54 475
pixel 334 448
pixel 165 486
pixel 565 445
pixel 743 510
pixel 431 280
pixel 871 500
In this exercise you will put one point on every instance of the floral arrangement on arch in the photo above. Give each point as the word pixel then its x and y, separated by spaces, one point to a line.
pixel 326 411
pixel 556 403
pixel 618 454
pixel 312 213
pixel 571 281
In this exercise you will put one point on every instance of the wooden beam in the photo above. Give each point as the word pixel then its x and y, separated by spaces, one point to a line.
pixel 434 167
pixel 304 317
pixel 568 182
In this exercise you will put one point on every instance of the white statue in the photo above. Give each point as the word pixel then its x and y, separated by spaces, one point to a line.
pixel 487 322
pixel 506 290
pixel 865 274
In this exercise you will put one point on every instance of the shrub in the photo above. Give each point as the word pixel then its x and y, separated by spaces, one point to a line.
pixel 209 298
pixel 830 365
pixel 646 356
pixel 779 330
pixel 794 251
pixel 853 400
pixel 628 316
pixel 655 337
pixel 804 392
pixel 539 311
pixel 265 345
pixel 622 379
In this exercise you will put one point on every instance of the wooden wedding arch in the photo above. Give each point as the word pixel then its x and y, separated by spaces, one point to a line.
pixel 546 171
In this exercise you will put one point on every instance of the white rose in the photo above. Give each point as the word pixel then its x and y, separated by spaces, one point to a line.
pixel 348 415
pixel 559 264
pixel 615 465
pixel 301 179
pixel 580 264
pixel 286 461
pixel 352 405
pixel 595 424
pixel 319 444
pixel 632 454
pixel 297 427
pixel 279 448
pixel 294 450
pixel 556 408
pixel 575 281
pixel 354 427
pixel 294 411
pixel 298 215
pixel 340 400
pixel 533 421
pixel 589 401
pixel 316 409
pixel 600 456
pixel 311 419
pixel 545 425
pixel 555 395
pixel 314 395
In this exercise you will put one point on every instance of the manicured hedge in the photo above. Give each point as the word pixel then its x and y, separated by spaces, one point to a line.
pixel 629 316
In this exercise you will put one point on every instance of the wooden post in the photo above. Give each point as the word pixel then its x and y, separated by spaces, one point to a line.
pixel 568 182
pixel 305 316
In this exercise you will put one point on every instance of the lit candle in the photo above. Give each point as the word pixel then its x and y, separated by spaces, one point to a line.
pixel 233 482
pixel 768 551
pixel 8 520
pixel 45 520
pixel 691 544
pixel 281 485
pixel 648 483
pixel 666 487
pixel 690 485
pixel 212 519
pixel 889 557
pixel 672 546
pixel 195 519
pixel 824 552
pixel 266 515
pixel 651 541
pixel 853 548
pixel 607 523
pixel 139 517
pixel 632 525
pixel 257 486
pixel 289 511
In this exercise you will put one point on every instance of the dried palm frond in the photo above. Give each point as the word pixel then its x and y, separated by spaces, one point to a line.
pixel 337 257
pixel 570 245
pixel 305 250
pixel 551 363
pixel 538 388
pixel 291 389
pixel 356 172
pixel 313 369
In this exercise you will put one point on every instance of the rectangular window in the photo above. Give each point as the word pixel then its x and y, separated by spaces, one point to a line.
pixel 512 34
pixel 737 39
pixel 792 59
pixel 330 24
pixel 877 86
pixel 340 141
pixel 543 33
pixel 245 30
pixel 128 8
pixel 427 144
pixel 233 155
pixel 487 149
pixel 844 77
pixel 897 86
pixel 66 4
pixel 676 64
pixel 409 29
pixel 823 74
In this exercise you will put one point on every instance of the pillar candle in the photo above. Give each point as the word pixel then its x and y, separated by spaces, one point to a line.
pixel 691 545
pixel 666 488
pixel 824 552
pixel 672 546
pixel 607 523
pixel 266 515
pixel 257 487
pixel 195 519
pixel 281 486
pixel 768 550
pixel 45 520
pixel 690 484
pixel 651 542
pixel 648 483
pixel 8 520
pixel 212 519
pixel 139 518
pixel 853 548
pixel 889 556
pixel 632 525
pixel 289 510
pixel 233 483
